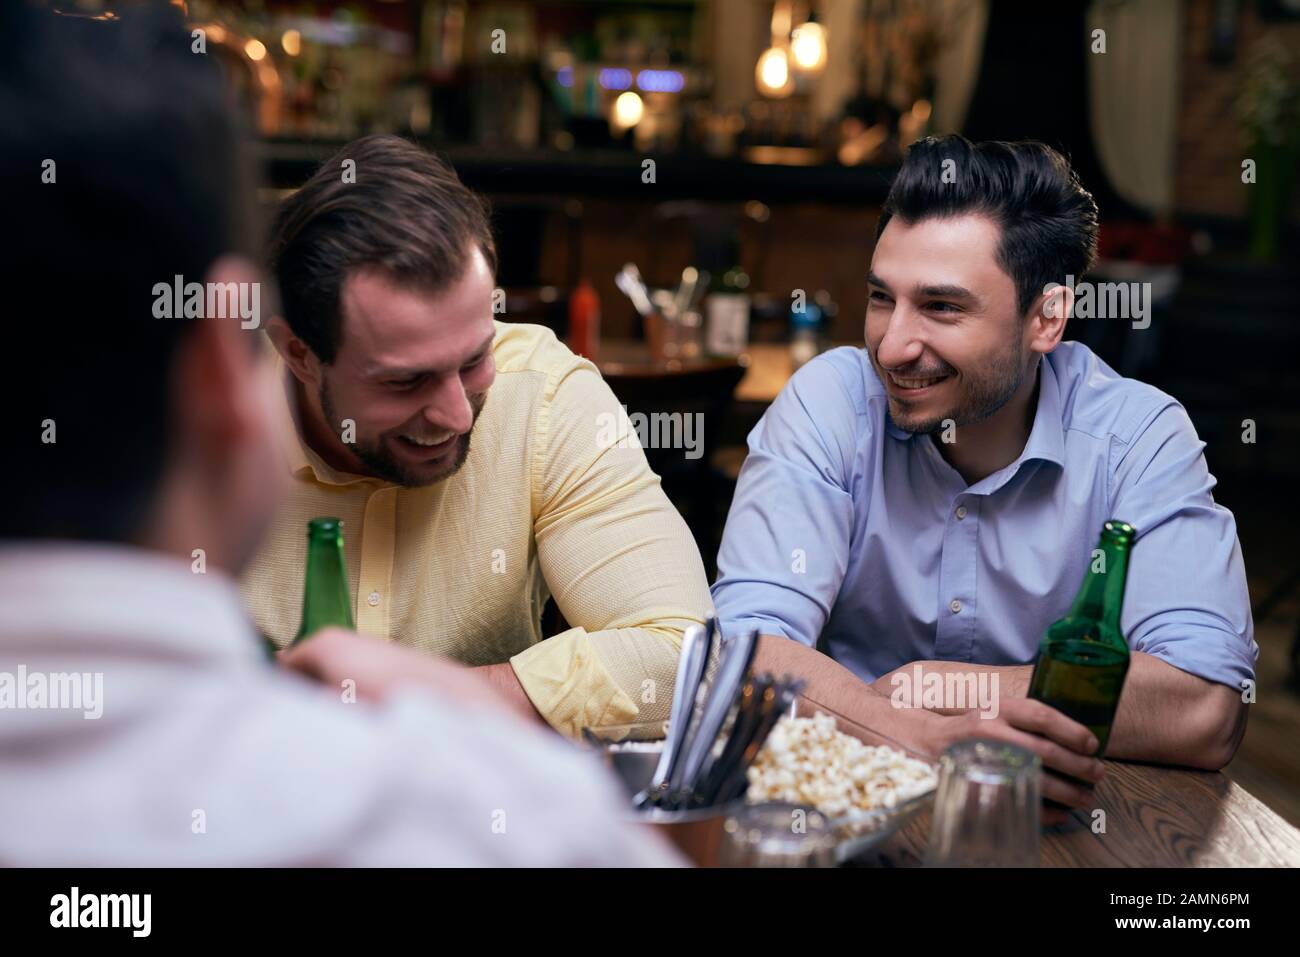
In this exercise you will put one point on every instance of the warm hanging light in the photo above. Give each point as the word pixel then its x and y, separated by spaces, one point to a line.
pixel 628 110
pixel 808 45
pixel 772 74
pixel 291 42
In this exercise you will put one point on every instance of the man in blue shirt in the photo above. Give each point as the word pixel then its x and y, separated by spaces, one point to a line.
pixel 935 497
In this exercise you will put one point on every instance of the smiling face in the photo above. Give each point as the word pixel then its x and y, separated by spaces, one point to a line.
pixel 412 371
pixel 943 329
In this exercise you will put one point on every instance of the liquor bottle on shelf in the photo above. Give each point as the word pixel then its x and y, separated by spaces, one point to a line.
pixel 727 327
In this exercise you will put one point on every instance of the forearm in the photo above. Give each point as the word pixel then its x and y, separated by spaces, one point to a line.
pixel 1172 717
pixel 503 680
pixel 837 689
pixel 1165 715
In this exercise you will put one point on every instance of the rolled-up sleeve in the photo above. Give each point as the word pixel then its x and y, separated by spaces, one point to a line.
pixel 786 545
pixel 617 556
pixel 1186 600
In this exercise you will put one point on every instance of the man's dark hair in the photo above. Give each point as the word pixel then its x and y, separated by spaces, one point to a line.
pixel 406 213
pixel 1048 220
pixel 120 159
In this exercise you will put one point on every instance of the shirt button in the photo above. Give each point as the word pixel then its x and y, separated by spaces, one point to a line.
pixel 373 599
pixel 961 512
pixel 955 606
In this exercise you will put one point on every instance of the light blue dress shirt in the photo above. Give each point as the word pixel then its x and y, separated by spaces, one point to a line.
pixel 851 535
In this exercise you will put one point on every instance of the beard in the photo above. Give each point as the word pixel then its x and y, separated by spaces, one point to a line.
pixel 379 459
pixel 985 392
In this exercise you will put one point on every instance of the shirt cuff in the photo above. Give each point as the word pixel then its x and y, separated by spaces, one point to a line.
pixel 1208 652
pixel 567 683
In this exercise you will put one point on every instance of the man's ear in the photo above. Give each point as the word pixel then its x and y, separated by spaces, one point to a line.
pixel 1047 318
pixel 297 355
pixel 215 396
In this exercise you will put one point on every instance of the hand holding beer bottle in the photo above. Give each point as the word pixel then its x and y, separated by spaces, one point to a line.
pixel 1079 673
pixel 1083 658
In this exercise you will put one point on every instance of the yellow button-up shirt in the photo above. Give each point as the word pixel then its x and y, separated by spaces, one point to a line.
pixel 544 504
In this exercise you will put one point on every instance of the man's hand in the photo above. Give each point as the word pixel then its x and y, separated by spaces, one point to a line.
pixel 1063 745
pixel 334 655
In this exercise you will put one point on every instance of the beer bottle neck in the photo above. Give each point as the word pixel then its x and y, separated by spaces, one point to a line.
pixel 1101 596
pixel 325 599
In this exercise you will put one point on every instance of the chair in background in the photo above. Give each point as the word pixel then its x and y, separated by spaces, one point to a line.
pixel 1228 356
pixel 537 291
pixel 704 389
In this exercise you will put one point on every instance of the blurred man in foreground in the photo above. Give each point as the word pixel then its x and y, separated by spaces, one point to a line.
pixel 140 722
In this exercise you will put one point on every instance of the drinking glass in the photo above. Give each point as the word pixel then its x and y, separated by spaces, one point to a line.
pixel 777 834
pixel 986 810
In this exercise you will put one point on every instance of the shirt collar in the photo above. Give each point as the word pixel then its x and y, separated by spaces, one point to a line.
pixel 1046 441
pixel 1047 437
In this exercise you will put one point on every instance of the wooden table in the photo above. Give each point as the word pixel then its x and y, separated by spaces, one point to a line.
pixel 769 369
pixel 1155 817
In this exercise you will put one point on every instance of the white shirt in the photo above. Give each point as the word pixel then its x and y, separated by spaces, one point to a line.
pixel 205 754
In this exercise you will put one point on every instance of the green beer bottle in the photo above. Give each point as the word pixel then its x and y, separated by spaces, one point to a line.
pixel 1083 658
pixel 325 598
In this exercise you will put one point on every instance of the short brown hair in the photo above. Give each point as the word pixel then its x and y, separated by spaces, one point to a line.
pixel 407 213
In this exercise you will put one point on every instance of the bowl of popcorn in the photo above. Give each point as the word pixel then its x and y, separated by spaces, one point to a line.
pixel 867 785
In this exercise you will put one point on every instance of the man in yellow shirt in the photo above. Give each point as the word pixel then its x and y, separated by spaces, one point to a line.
pixel 391 360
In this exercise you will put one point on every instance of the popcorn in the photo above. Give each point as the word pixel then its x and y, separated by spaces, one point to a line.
pixel 808 761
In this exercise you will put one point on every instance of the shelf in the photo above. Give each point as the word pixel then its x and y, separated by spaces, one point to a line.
pixel 617 173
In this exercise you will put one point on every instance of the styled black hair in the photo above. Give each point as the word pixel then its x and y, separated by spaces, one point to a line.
pixel 121 162
pixel 1048 220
